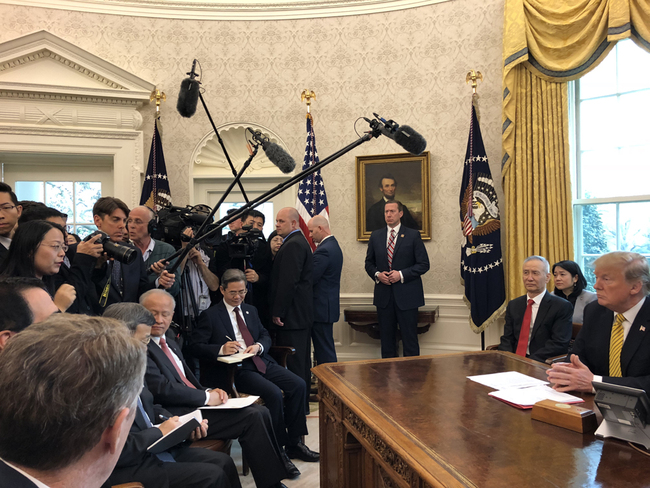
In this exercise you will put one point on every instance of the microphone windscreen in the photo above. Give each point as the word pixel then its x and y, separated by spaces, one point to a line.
pixel 278 156
pixel 410 140
pixel 188 97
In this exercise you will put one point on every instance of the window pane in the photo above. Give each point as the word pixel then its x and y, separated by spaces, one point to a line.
pixel 634 227
pixel 630 177
pixel 588 271
pixel 29 190
pixel 598 228
pixel 633 67
pixel 597 129
pixel 84 230
pixel 87 193
pixel 632 123
pixel 58 194
pixel 602 80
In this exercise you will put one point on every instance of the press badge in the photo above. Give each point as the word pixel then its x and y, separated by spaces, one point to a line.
pixel 204 302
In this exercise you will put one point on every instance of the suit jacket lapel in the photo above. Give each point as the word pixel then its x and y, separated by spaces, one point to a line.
pixel 164 360
pixel 225 319
pixel 640 327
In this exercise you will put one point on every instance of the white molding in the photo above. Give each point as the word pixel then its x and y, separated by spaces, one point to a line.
pixel 229 10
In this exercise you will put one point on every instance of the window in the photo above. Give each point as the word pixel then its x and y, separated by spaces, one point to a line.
pixel 75 198
pixel 612 157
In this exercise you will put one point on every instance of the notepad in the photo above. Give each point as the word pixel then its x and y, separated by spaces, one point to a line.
pixel 189 422
pixel 235 358
pixel 525 398
pixel 233 403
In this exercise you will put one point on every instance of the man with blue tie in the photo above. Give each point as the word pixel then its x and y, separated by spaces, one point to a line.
pixel 328 262
pixel 395 260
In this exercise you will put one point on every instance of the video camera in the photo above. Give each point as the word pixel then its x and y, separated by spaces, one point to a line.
pixel 244 245
pixel 173 220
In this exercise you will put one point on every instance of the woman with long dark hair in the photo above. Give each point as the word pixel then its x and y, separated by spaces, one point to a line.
pixel 570 284
pixel 38 250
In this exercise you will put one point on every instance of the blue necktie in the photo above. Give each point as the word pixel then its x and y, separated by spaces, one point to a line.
pixel 163 456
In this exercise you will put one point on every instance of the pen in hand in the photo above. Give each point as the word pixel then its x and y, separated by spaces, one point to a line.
pixel 236 342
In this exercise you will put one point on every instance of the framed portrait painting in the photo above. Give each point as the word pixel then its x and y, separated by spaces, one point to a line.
pixel 403 177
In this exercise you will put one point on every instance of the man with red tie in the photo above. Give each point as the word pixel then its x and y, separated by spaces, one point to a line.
pixel 232 326
pixel 396 259
pixel 538 324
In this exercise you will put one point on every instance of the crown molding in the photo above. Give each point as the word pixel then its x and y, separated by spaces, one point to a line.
pixel 228 10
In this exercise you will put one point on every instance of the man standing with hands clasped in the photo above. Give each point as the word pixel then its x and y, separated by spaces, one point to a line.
pixel 396 259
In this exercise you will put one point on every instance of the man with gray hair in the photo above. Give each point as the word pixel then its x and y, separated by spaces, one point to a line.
pixel 62 425
pixel 613 345
pixel 538 324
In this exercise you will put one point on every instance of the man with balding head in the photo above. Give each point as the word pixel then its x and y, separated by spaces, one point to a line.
pixel 291 296
pixel 328 262
pixel 613 345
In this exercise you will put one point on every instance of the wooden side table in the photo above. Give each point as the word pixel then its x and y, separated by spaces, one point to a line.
pixel 363 318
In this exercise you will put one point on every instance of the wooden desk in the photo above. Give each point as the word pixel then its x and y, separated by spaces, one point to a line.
pixel 418 422
pixel 363 318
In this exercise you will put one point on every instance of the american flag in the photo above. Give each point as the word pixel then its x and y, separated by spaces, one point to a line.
pixel 155 189
pixel 311 200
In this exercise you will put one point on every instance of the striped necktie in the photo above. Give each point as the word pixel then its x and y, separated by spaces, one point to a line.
pixel 390 249
pixel 615 346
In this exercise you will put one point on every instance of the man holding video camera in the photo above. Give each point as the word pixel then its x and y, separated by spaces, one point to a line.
pixel 120 273
pixel 246 249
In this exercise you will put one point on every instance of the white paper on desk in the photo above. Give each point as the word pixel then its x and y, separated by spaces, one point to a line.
pixel 527 397
pixel 235 358
pixel 509 379
pixel 233 403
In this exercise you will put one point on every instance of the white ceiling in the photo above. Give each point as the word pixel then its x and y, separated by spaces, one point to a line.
pixel 228 9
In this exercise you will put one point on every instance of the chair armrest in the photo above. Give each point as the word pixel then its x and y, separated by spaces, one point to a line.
pixel 280 354
pixel 231 389
pixel 493 347
pixel 557 359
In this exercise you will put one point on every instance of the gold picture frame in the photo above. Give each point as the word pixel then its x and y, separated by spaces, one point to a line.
pixel 411 175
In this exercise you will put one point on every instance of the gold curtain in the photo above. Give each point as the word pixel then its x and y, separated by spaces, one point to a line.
pixel 547 43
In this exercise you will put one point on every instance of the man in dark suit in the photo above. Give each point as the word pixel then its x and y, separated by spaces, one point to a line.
pixel 73 435
pixel 544 318
pixel 613 345
pixel 396 259
pixel 375 214
pixel 199 468
pixel 9 214
pixel 175 387
pixel 232 326
pixel 291 295
pixel 115 281
pixel 328 262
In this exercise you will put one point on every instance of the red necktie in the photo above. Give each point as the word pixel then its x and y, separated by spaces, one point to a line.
pixel 248 339
pixel 168 353
pixel 522 345
pixel 390 249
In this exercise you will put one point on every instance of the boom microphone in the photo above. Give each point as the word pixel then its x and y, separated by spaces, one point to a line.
pixel 405 136
pixel 188 96
pixel 278 156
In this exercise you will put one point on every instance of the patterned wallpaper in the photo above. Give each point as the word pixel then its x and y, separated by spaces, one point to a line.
pixel 408 65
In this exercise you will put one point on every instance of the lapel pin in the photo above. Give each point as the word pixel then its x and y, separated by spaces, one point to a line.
pixel 246 312
pixel 402 236
pixel 642 328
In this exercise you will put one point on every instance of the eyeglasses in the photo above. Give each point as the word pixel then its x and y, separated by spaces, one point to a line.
pixel 7 208
pixel 58 247
pixel 234 293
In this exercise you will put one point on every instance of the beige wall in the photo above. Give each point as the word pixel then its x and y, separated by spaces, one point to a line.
pixel 408 65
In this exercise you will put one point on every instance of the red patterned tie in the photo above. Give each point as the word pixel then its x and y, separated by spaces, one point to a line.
pixel 248 339
pixel 522 345
pixel 391 248
pixel 168 353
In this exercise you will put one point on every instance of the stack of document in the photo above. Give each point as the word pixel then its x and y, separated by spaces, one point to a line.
pixel 520 390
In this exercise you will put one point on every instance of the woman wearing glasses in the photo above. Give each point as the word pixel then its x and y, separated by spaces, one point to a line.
pixel 38 250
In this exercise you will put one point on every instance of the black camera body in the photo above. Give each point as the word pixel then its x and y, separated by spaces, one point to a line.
pixel 244 245
pixel 173 220
pixel 120 252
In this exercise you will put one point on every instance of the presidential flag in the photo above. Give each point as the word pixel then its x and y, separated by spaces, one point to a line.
pixel 155 190
pixel 481 262
pixel 311 200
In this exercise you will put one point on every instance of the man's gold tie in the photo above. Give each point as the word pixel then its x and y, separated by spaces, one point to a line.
pixel 615 346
